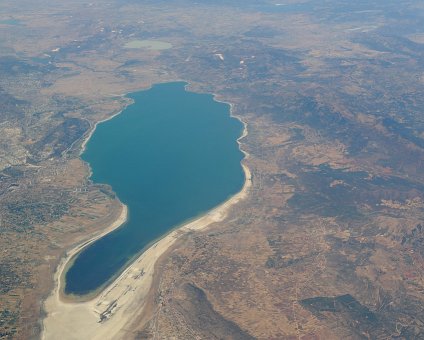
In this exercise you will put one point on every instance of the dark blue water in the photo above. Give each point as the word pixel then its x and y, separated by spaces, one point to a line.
pixel 170 156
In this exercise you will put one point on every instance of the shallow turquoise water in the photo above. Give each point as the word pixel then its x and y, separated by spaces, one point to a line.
pixel 170 156
pixel 11 22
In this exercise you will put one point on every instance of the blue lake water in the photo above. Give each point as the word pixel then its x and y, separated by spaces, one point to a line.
pixel 170 156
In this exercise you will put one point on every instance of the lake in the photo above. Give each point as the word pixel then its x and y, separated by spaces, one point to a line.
pixel 154 45
pixel 170 156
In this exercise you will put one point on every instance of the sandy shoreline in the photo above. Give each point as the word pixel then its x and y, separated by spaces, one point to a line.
pixel 106 315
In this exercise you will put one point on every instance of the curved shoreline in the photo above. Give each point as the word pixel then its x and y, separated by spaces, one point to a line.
pixel 111 302
pixel 69 256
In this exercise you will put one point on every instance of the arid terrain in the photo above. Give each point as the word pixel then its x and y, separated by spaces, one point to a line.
pixel 328 243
